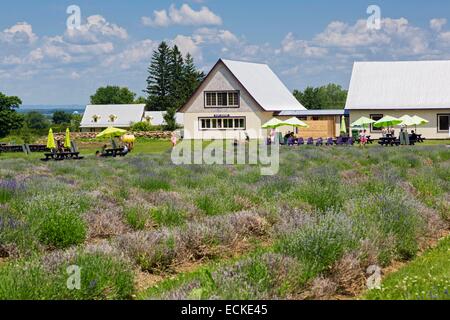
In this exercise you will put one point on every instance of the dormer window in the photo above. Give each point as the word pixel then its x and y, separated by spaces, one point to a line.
pixel 222 99
pixel 95 118
pixel 112 118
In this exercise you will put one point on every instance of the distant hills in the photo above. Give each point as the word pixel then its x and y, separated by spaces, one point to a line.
pixel 48 110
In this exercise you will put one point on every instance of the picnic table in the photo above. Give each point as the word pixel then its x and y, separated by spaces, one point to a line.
pixel 114 152
pixel 59 156
pixel 389 141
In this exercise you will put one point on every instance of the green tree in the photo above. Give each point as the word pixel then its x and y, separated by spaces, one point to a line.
pixel 113 95
pixel 9 118
pixel 191 76
pixel 331 96
pixel 176 67
pixel 158 81
pixel 36 121
pixel 140 100
pixel 170 119
pixel 61 117
pixel 75 122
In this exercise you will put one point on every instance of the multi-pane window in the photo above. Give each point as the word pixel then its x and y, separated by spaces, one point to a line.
pixel 375 117
pixel 222 123
pixel 222 99
pixel 443 122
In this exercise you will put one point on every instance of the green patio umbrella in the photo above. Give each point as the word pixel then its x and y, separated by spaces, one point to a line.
pixel 111 132
pixel 67 139
pixel 51 140
pixel 363 122
pixel 387 122
pixel 273 124
pixel 343 125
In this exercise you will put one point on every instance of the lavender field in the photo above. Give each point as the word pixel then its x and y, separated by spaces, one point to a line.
pixel 142 228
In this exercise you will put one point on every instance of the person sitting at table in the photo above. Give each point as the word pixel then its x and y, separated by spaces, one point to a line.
pixel 392 132
pixel 384 133
pixel 413 136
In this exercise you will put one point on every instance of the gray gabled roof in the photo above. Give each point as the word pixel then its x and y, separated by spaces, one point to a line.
pixel 126 115
pixel 399 85
pixel 263 85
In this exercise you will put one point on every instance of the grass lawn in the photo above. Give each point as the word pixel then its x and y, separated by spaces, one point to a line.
pixel 142 227
pixel 425 278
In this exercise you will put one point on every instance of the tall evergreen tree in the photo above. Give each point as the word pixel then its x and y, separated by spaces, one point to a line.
pixel 192 77
pixel 158 81
pixel 176 68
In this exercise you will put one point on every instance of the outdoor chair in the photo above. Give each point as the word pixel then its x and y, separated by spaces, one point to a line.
pixel 350 141
pixel 340 141
pixel 319 142
pixel 310 142
pixel 300 141
pixel 290 141
pixel 329 142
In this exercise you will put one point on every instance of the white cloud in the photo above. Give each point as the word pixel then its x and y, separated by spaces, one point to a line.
pixel 437 24
pixel 209 35
pixel 19 33
pixel 96 29
pixel 187 44
pixel 137 53
pixel 301 48
pixel 185 16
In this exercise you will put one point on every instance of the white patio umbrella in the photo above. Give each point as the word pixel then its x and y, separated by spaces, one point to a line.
pixel 419 121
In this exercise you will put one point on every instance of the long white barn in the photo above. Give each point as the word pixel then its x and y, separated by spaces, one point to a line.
pixel 418 88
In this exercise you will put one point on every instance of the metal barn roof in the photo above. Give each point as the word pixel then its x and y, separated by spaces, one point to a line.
pixel 399 85
pixel 124 114
pixel 264 86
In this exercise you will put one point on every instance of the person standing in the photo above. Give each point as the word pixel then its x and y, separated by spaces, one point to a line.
pixel 173 139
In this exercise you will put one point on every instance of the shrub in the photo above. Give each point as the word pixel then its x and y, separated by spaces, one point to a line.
pixel 318 245
pixel 386 218
pixel 322 189
pixel 153 183
pixel 62 229
pixel 142 127
pixel 152 251
pixel 102 277
pixel 262 276
pixel 217 202
pixel 137 217
pixel 8 189
pixel 168 215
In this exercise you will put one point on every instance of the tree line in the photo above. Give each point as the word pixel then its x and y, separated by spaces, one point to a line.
pixel 331 96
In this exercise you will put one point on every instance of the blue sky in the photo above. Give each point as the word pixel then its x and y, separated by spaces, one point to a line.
pixel 305 42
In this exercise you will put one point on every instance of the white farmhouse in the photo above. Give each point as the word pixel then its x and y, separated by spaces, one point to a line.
pixel 235 100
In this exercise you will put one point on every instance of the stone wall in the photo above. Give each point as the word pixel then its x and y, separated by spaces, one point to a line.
pixel 92 135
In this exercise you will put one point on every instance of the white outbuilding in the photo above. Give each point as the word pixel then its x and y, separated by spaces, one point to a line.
pixel 419 88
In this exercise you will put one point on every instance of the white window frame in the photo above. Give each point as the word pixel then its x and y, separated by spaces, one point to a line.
pixel 211 99
pixel 222 124
pixel 438 122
